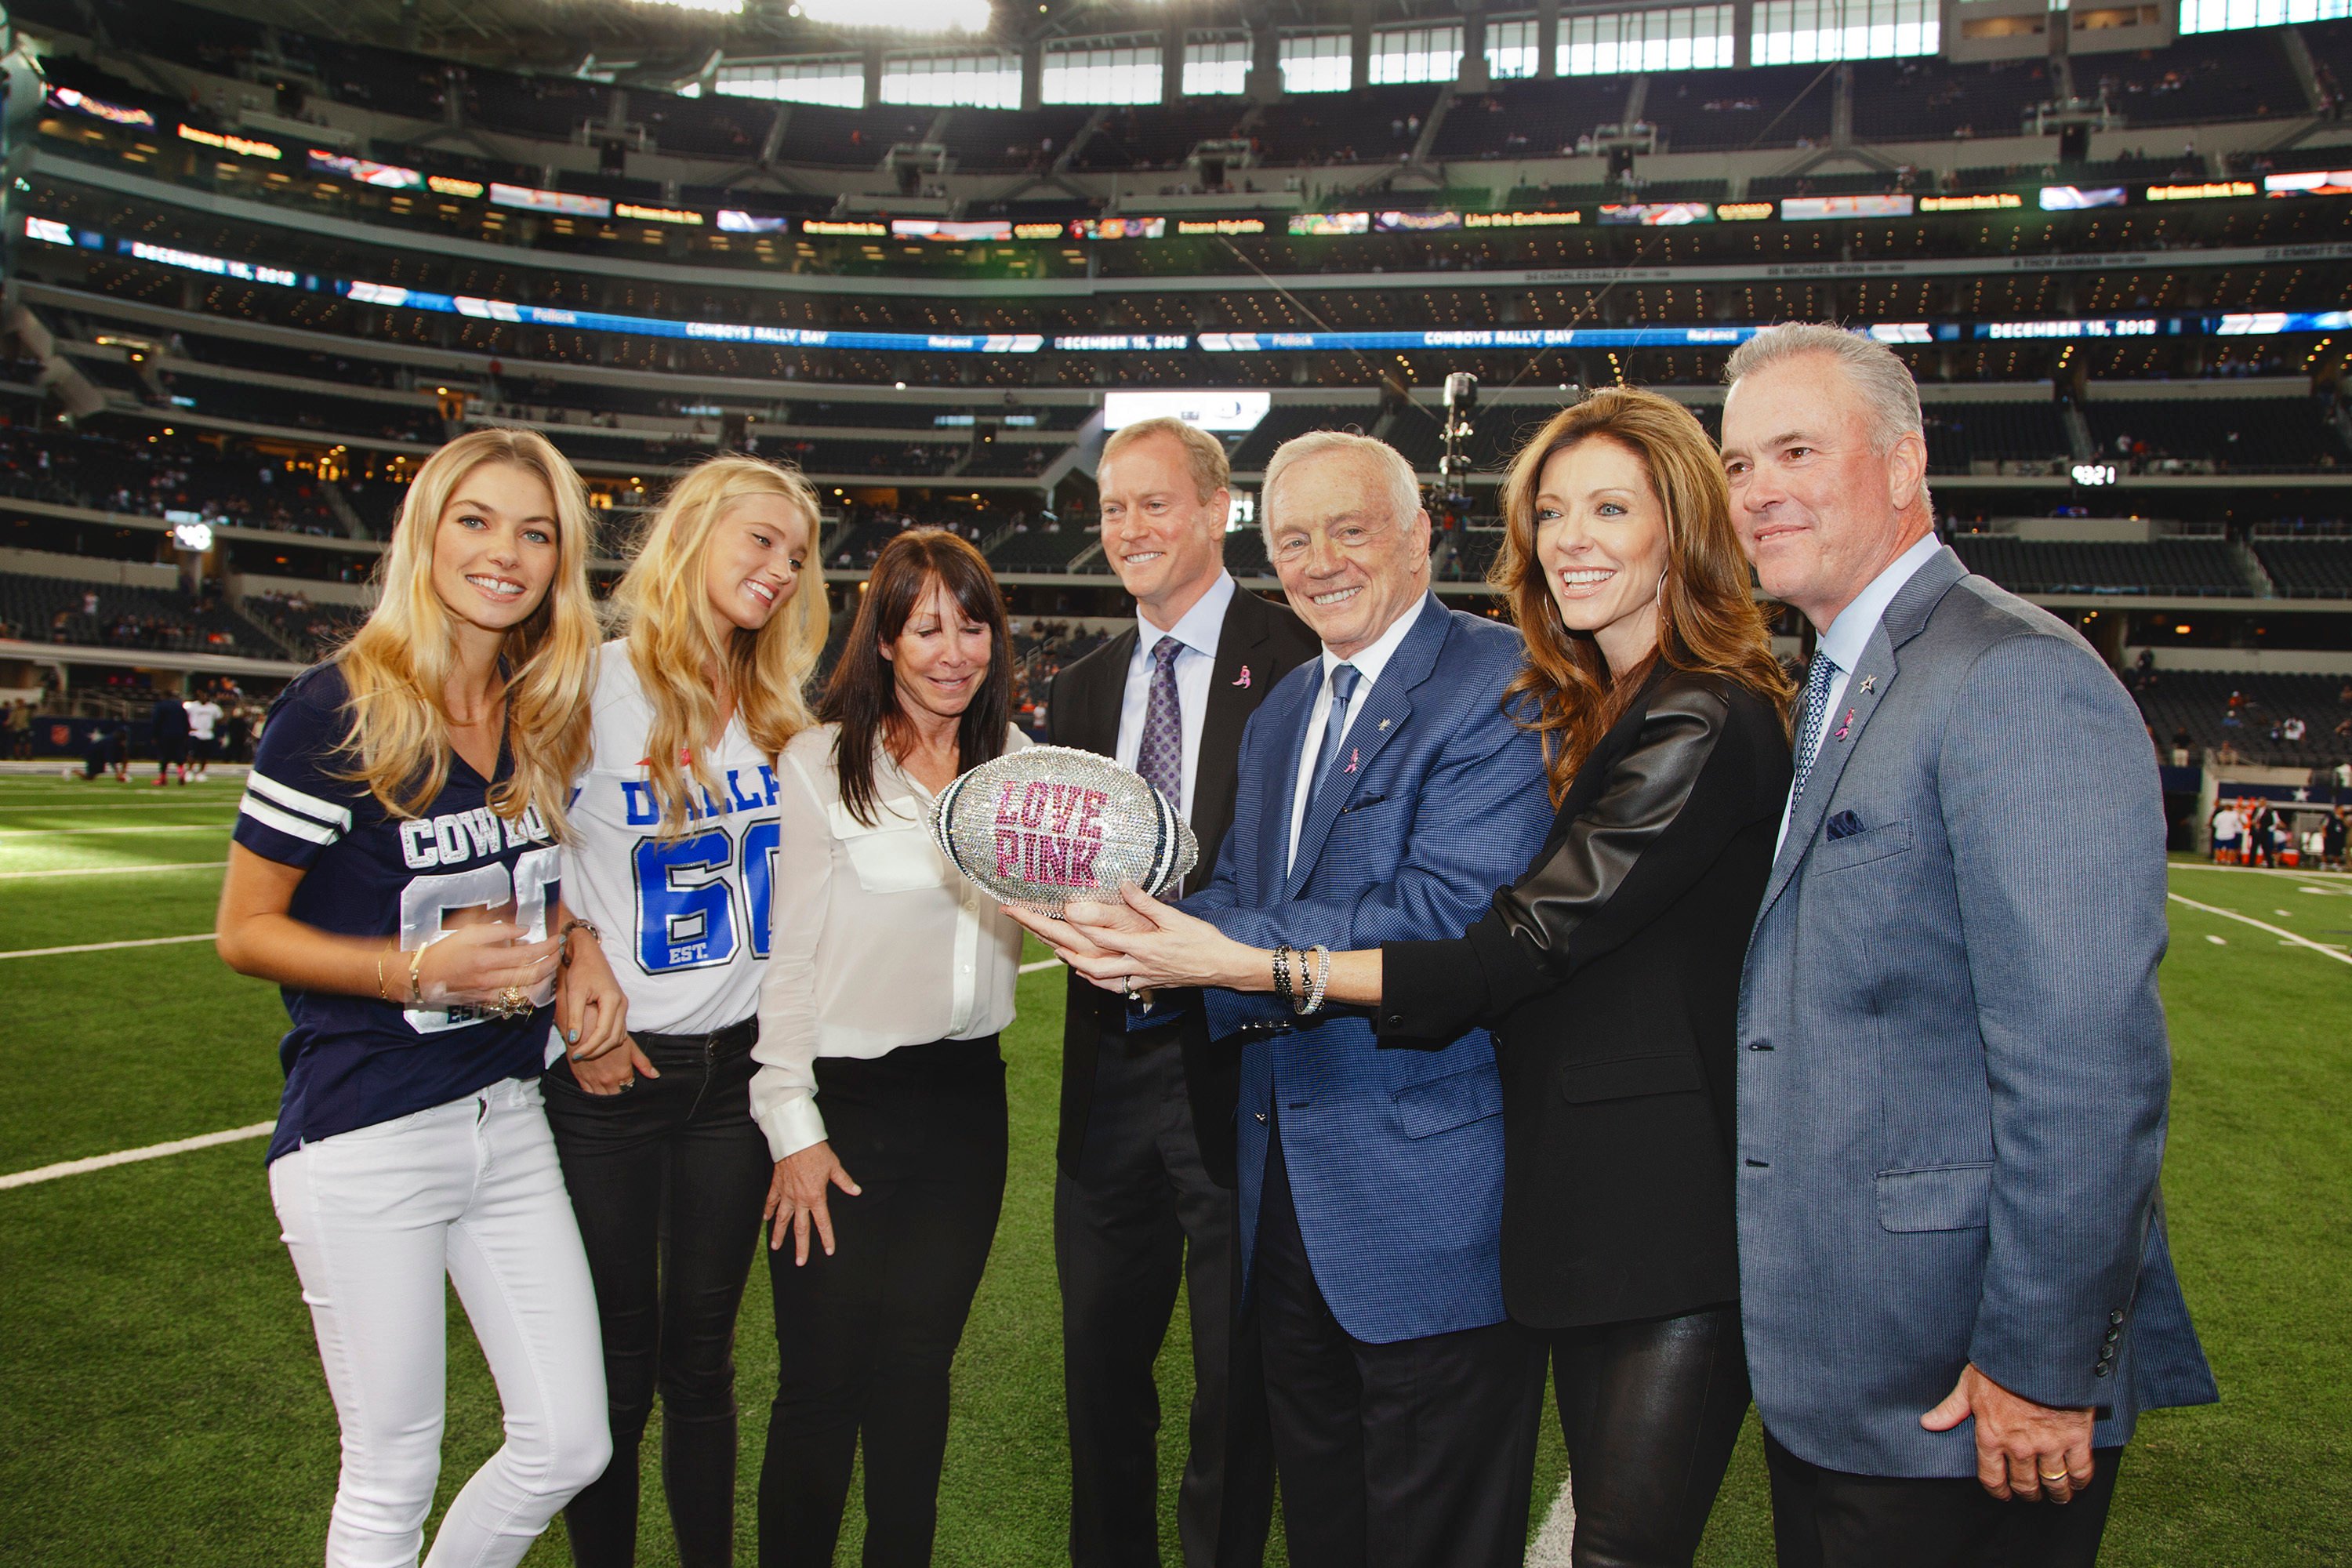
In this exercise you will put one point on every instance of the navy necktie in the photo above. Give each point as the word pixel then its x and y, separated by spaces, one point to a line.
pixel 1818 680
pixel 1343 689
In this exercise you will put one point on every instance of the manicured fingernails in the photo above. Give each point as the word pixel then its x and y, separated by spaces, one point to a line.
pixel 570 1037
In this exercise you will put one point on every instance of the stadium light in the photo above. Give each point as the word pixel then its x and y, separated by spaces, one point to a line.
pixel 901 15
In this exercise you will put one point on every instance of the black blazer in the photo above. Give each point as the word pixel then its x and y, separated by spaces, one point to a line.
pixel 1609 976
pixel 1258 644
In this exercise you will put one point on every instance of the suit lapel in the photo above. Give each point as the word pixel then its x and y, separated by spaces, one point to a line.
pixel 1233 696
pixel 1866 686
pixel 1236 685
pixel 1109 693
pixel 1377 720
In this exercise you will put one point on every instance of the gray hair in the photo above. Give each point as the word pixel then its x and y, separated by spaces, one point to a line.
pixel 1883 380
pixel 1393 473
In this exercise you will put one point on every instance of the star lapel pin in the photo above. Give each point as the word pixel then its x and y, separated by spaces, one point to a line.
pixel 1869 683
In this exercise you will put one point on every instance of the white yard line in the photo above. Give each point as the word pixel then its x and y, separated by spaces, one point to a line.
pixel 184 803
pixel 107 946
pixel 133 1156
pixel 1555 1542
pixel 7 833
pixel 117 870
pixel 2304 874
pixel 1041 964
pixel 2280 931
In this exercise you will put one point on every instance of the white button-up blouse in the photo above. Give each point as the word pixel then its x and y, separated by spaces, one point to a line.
pixel 878 941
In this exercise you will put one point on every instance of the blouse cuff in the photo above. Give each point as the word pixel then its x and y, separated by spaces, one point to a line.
pixel 792 1125
pixel 1431 993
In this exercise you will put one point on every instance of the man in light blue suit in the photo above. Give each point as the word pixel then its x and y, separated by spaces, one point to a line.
pixel 1955 1284
pixel 1385 792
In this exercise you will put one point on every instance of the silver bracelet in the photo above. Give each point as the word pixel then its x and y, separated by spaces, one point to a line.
pixel 1314 1002
pixel 1282 975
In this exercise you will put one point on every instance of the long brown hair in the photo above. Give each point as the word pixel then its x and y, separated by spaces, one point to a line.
pixel 862 696
pixel 1707 618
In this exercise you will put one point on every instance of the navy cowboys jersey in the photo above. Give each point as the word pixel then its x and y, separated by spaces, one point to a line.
pixel 356 1061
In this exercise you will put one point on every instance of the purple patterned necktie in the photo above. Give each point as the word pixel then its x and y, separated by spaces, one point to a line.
pixel 1160 756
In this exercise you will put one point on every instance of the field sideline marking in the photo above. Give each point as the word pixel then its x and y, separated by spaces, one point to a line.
pixel 1041 964
pixel 106 946
pixel 133 1156
pixel 135 828
pixel 2279 931
pixel 183 803
pixel 113 871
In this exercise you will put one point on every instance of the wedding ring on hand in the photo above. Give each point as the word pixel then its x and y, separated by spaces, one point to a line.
pixel 2061 1476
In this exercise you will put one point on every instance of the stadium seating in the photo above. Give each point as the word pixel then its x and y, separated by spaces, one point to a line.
pixel 1723 111
pixel 1932 99
pixel 2307 568
pixel 1530 118
pixel 1039 549
pixel 2200 567
pixel 2200 701
pixel 2234 434
pixel 1960 434
pixel 108 614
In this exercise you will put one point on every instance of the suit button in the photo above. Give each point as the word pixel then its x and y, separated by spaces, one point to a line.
pixel 1760 1164
pixel 2115 1319
pixel 2113 1335
pixel 1759 1045
pixel 1396 1020
pixel 2102 1369
pixel 1261 1118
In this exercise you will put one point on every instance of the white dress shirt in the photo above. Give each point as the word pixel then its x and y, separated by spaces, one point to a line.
pixel 878 941
pixel 1369 662
pixel 1196 663
pixel 1849 636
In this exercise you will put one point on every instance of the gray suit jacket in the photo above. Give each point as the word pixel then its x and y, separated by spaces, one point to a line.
pixel 1954 1073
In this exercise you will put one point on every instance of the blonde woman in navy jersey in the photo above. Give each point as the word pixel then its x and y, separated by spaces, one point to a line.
pixel 674 838
pixel 395 870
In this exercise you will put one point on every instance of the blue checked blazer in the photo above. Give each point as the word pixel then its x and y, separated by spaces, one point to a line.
pixel 1954 1075
pixel 1395 1156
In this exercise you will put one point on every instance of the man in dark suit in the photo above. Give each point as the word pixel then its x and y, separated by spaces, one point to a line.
pixel 1144 1195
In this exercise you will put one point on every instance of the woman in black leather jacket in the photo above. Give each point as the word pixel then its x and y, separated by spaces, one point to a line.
pixel 1610 973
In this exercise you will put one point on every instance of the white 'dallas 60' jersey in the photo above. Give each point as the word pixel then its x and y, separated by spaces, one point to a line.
pixel 685 922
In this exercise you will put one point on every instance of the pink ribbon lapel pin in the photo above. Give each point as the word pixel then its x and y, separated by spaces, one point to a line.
pixel 1351 761
pixel 1243 680
pixel 1845 725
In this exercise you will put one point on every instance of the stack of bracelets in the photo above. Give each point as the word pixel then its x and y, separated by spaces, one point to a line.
pixel 1284 987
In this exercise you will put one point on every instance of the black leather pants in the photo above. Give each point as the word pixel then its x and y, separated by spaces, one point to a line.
pixel 1650 1411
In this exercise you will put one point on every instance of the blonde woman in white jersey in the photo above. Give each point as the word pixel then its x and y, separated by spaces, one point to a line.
pixel 674 836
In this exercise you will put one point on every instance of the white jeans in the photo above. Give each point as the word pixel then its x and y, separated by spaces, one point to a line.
pixel 374 1218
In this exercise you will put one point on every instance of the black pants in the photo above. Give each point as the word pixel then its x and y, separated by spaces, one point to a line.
pixel 1141 1216
pixel 864 1339
pixel 1651 1412
pixel 1828 1518
pixel 668 1178
pixel 1392 1456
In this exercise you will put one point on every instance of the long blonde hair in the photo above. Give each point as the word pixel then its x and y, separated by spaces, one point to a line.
pixel 1708 618
pixel 676 637
pixel 399 661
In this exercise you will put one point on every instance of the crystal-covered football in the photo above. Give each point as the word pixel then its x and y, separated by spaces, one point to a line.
pixel 1048 826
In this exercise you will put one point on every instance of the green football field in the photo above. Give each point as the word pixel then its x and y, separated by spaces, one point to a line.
pixel 160 1394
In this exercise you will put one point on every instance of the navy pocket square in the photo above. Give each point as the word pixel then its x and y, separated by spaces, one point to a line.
pixel 1844 825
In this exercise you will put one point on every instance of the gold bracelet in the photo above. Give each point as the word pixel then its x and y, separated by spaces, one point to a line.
pixel 416 985
pixel 381 995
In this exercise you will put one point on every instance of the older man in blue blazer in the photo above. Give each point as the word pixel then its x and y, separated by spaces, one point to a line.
pixel 1385 792
pixel 1956 1288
